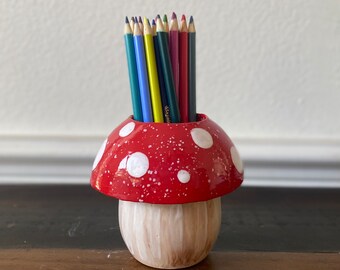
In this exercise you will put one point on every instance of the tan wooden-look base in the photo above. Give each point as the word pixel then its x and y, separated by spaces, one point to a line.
pixel 170 236
pixel 60 259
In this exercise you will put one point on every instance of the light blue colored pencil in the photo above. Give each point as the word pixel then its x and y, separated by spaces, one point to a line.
pixel 142 74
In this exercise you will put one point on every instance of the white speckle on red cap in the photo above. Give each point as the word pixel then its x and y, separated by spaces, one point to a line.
pixel 235 157
pixel 201 137
pixel 183 176
pixel 99 155
pixel 137 164
pixel 127 129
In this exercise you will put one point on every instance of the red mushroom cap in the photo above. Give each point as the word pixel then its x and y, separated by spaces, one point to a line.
pixel 167 163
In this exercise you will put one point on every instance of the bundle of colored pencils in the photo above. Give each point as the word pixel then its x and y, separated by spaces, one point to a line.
pixel 162 69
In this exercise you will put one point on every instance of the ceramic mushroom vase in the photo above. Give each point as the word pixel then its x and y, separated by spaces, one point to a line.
pixel 169 179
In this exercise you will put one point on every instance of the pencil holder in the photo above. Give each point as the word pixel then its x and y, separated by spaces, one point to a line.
pixel 169 179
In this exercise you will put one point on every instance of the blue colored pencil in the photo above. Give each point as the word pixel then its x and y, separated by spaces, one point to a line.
pixel 142 74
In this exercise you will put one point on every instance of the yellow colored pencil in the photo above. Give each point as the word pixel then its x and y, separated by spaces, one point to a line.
pixel 152 73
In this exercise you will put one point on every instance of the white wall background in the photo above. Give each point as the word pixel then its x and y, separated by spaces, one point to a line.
pixel 266 71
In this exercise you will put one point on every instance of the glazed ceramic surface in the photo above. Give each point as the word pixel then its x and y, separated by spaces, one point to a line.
pixel 167 163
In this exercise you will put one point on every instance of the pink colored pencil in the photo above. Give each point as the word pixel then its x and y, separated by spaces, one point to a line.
pixel 173 49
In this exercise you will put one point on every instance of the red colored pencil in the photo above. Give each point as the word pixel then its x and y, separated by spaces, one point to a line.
pixel 183 71
pixel 173 49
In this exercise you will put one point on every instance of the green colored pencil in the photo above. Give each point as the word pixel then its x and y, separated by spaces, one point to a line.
pixel 162 37
pixel 133 76
pixel 166 26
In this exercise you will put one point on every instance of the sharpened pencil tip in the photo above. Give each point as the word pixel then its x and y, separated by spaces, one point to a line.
pixel 133 19
pixel 126 19
pixel 159 25
pixel 153 22
pixel 140 19
pixel 191 19
pixel 158 16
pixel 174 16
pixel 183 18
pixel 136 20
pixel 165 18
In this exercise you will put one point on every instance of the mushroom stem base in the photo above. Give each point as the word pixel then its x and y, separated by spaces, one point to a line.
pixel 170 236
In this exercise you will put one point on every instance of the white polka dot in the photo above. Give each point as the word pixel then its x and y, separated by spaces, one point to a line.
pixel 183 176
pixel 122 164
pixel 201 137
pixel 127 129
pixel 235 157
pixel 137 164
pixel 99 155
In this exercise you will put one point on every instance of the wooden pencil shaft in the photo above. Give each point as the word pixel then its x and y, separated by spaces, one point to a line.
pixel 166 27
pixel 166 24
pixel 140 23
pixel 132 23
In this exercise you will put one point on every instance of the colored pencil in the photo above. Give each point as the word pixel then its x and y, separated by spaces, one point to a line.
pixel 173 48
pixel 132 23
pixel 165 23
pixel 165 104
pixel 164 99
pixel 140 23
pixel 142 74
pixel 152 73
pixel 167 72
pixel 192 69
pixel 133 76
pixel 183 71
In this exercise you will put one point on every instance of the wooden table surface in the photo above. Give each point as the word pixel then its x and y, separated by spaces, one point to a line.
pixel 73 259
pixel 74 227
